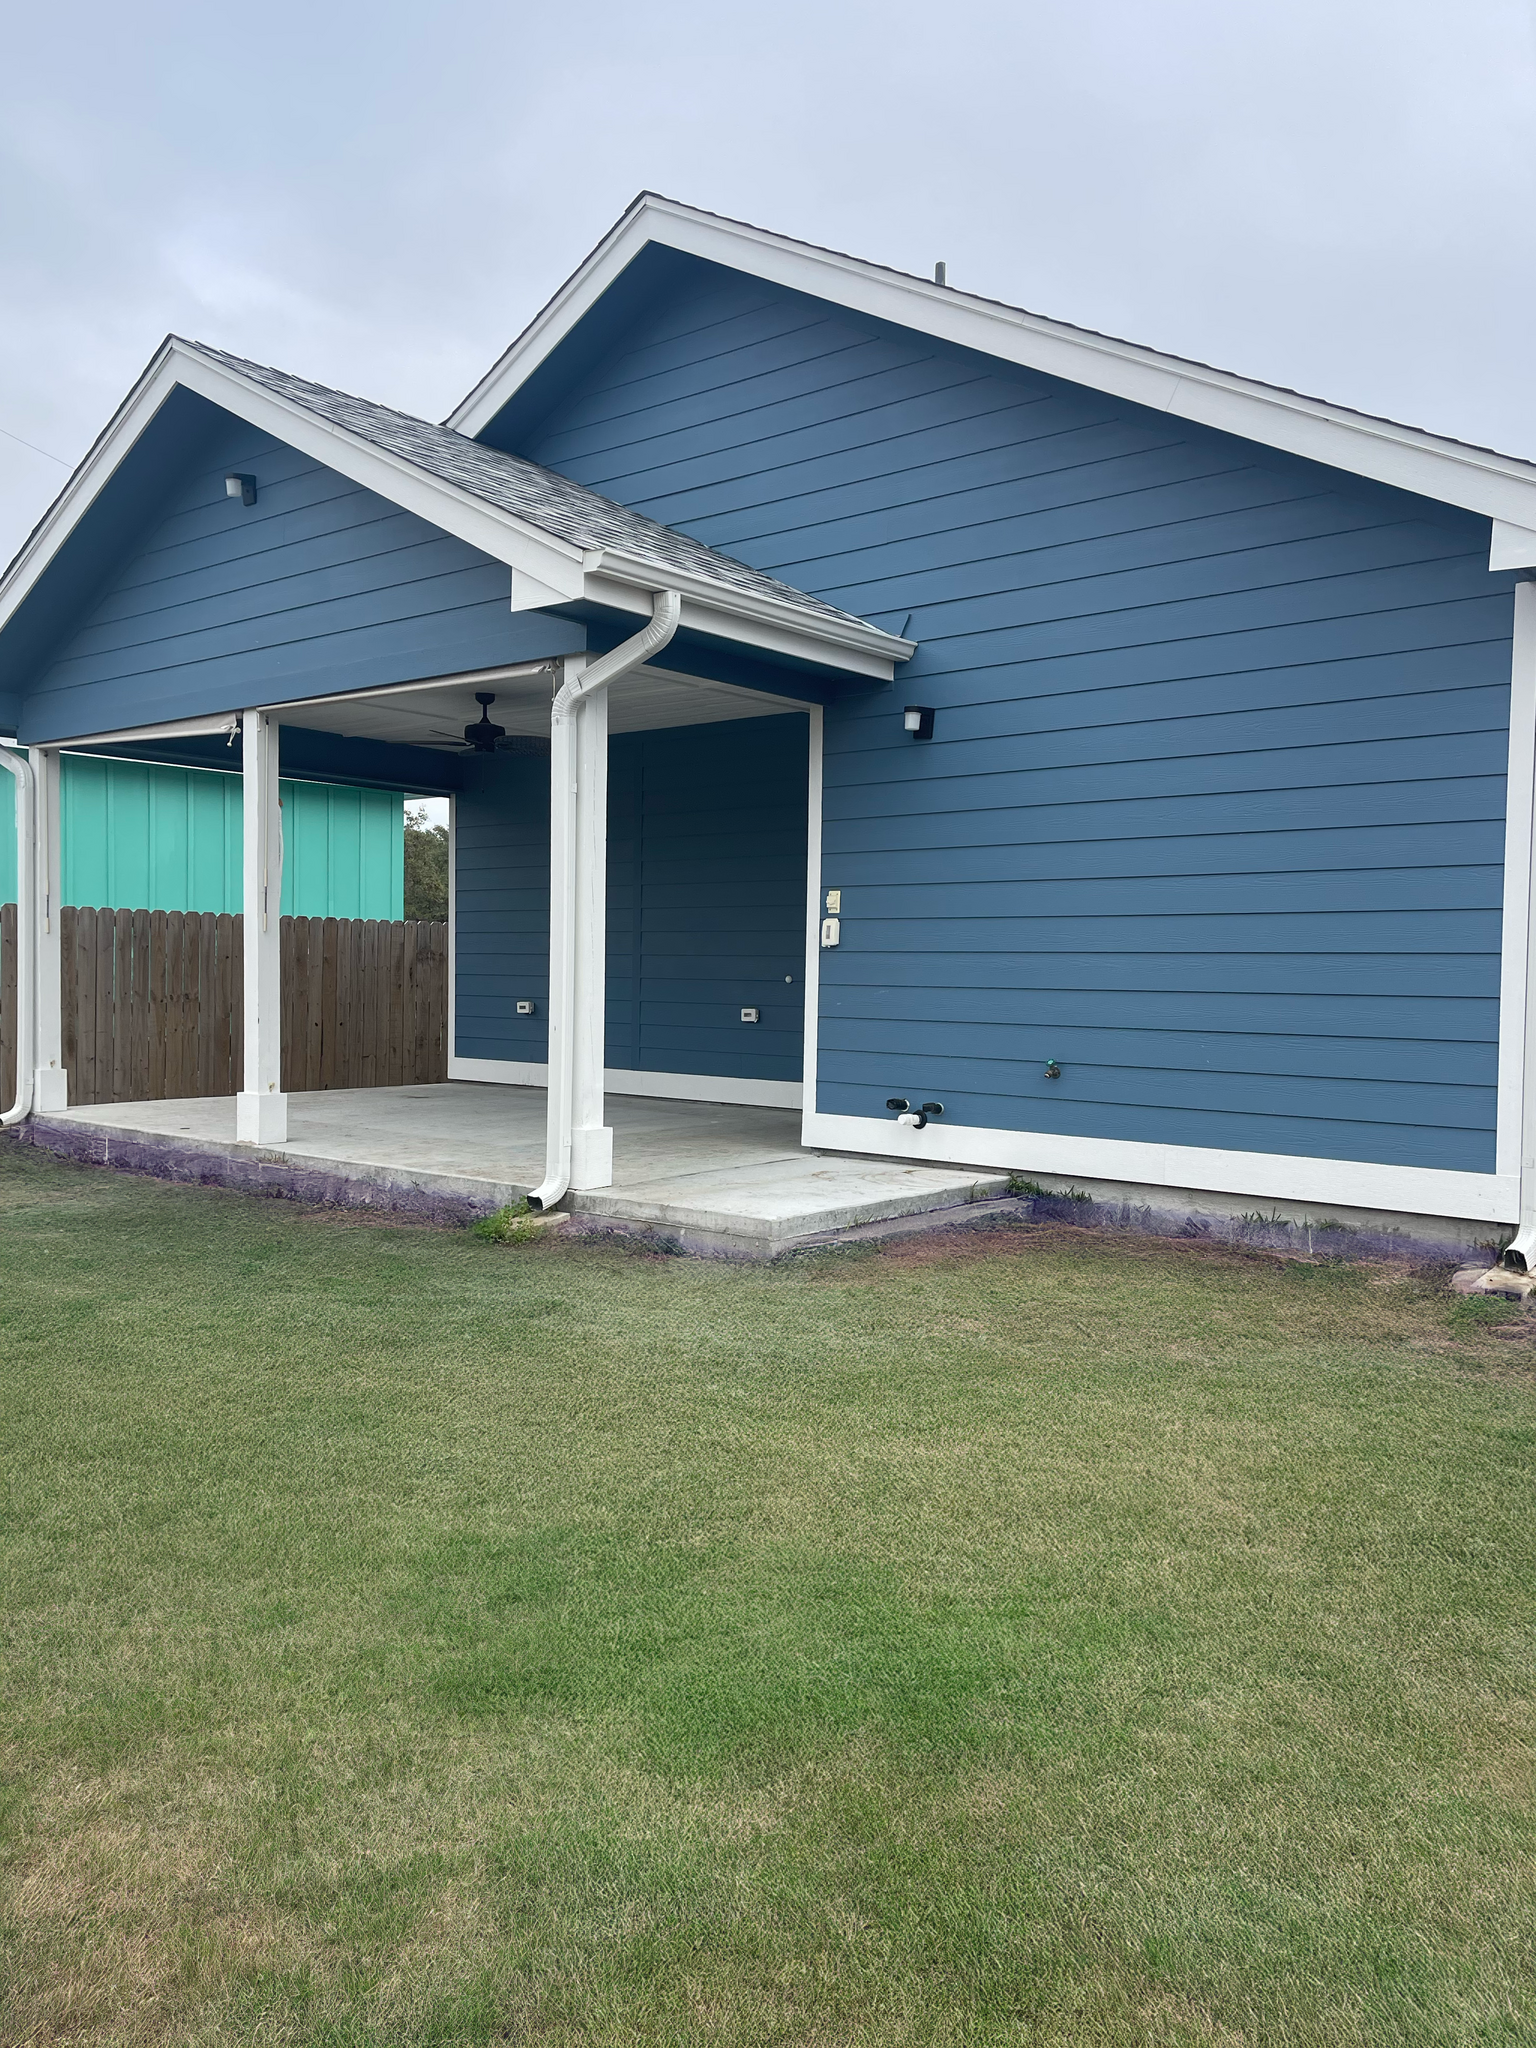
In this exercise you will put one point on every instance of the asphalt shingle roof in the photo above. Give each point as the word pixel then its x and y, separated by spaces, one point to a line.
pixel 543 497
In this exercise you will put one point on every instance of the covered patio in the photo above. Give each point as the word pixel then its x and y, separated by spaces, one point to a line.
pixel 627 726
pixel 723 1177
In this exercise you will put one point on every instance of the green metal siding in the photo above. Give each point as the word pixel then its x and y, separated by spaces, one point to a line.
pixel 137 837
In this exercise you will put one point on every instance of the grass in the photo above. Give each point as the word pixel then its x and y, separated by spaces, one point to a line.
pixel 1033 1637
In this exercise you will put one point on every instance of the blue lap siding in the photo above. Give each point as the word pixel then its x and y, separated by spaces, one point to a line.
pixel 1213 814
pixel 706 901
pixel 318 587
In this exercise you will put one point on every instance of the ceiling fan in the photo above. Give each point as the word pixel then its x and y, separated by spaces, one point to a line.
pixel 483 737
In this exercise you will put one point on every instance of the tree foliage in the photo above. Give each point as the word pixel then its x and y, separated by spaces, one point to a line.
pixel 426 867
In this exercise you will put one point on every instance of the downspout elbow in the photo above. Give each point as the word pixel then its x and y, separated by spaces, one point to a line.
pixel 666 610
pixel 26 965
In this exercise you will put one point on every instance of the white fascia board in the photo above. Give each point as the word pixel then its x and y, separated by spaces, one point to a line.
pixel 1479 480
pixel 749 620
pixel 555 564
pixel 1270 1176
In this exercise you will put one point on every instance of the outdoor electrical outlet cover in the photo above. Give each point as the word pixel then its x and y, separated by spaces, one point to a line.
pixel 525 1009
pixel 750 1016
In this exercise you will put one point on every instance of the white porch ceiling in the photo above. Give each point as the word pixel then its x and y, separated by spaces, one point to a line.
pixel 435 714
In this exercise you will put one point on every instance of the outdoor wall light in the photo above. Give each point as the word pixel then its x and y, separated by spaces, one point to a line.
pixel 241 487
pixel 917 719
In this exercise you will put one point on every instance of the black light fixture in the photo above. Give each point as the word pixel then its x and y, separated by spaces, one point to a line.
pixel 918 721
pixel 241 487
pixel 482 735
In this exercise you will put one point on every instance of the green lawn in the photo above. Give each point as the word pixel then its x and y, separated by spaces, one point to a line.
pixel 1036 1637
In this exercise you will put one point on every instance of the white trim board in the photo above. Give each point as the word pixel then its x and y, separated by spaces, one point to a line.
pixel 1519 827
pixel 1268 1176
pixel 812 1033
pixel 632 1081
pixel 1478 479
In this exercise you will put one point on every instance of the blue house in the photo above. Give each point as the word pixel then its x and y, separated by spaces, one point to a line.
pixel 1007 746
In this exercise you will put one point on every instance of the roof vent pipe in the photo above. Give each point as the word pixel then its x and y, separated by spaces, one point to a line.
pixel 666 609
pixel 26 902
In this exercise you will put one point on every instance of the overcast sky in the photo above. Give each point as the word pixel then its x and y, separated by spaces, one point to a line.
pixel 1338 195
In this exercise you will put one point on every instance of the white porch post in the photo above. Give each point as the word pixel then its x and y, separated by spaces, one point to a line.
pixel 591 1140
pixel 578 1145
pixel 51 1083
pixel 261 1108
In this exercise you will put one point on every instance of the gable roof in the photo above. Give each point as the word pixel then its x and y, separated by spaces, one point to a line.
pixel 562 542
pixel 1432 465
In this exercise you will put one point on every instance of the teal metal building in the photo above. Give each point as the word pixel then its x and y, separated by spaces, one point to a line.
pixel 138 836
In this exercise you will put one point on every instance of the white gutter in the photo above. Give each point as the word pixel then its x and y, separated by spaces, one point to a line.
pixel 26 899
pixel 666 609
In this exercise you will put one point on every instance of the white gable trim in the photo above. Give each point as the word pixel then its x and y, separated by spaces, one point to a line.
pixel 545 569
pixel 1478 480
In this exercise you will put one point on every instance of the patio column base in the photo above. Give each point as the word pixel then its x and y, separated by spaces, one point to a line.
pixel 261 1119
pixel 592 1158
pixel 50 1088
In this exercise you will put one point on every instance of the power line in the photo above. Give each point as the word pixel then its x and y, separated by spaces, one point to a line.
pixel 35 449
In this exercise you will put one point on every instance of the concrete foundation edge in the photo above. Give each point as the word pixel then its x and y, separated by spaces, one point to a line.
pixel 1171 1213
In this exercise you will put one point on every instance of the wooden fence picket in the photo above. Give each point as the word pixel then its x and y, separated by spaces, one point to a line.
pixel 152 1003
pixel 7 1005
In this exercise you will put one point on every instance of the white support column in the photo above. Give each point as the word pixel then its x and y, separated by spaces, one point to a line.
pixel 261 1108
pixel 50 1088
pixel 591 1140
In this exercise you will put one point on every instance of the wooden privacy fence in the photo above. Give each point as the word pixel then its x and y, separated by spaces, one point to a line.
pixel 152 1003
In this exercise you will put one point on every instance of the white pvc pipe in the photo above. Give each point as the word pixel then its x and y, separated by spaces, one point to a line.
pixel 666 607
pixel 26 911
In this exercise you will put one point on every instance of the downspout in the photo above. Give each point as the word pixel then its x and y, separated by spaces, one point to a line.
pixel 26 904
pixel 666 607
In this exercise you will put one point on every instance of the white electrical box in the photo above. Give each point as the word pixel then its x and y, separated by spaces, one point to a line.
pixel 834 902
pixel 525 1009
pixel 749 1016
pixel 831 931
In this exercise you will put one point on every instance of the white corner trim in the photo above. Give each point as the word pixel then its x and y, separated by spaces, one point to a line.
pixel 814 779
pixel 1515 995
pixel 1268 1176
pixel 633 1081
pixel 1512 547
pixel 1479 480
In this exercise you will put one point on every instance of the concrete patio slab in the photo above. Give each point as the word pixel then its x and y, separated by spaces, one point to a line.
pixel 715 1176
